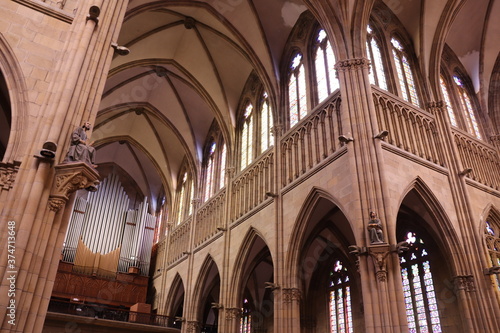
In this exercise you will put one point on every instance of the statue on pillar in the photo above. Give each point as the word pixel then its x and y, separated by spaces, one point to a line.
pixel 375 229
pixel 80 150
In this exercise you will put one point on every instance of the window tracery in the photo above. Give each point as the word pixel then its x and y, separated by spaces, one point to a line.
pixel 340 299
pixel 377 71
pixel 404 72
pixel 418 287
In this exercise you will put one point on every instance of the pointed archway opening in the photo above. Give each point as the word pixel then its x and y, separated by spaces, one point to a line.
pixel 5 116
pixel 256 295
pixel 328 276
pixel 175 303
pixel 429 284
pixel 208 298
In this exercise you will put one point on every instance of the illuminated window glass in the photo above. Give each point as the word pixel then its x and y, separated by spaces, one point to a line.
pixel 492 237
pixel 210 172
pixel 246 318
pixel 449 107
pixel 182 198
pixel 266 123
pixel 340 300
pixel 418 288
pixel 405 74
pixel 377 72
pixel 247 137
pixel 297 91
pixel 191 196
pixel 324 61
pixel 470 118
pixel 222 174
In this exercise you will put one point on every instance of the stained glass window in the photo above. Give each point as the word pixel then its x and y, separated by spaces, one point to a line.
pixel 210 172
pixel 266 123
pixel 405 75
pixel 470 118
pixel 297 91
pixel 324 61
pixel 377 72
pixel 182 198
pixel 418 288
pixel 246 318
pixel 247 137
pixel 222 174
pixel 492 237
pixel 340 300
pixel 449 107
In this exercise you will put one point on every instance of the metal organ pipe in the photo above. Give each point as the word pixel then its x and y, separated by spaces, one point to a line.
pixel 104 223
pixel 74 229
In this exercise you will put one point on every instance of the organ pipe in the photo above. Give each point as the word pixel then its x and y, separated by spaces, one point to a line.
pixel 75 229
pixel 102 226
pixel 137 239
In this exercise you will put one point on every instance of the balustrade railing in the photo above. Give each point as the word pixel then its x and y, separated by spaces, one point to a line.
pixel 483 160
pixel 409 127
pixel 209 216
pixel 311 141
pixel 101 311
pixel 179 241
pixel 251 186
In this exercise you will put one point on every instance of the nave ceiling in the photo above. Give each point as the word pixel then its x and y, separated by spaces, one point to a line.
pixel 189 61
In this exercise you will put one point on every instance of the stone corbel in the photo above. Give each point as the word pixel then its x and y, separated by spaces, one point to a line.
pixel 69 178
pixel 379 254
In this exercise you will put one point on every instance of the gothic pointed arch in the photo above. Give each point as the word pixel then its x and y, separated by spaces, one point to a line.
pixel 434 264
pixel 254 271
pixel 422 199
pixel 175 300
pixel 253 239
pixel 206 298
pixel 490 233
pixel 494 96
pixel 13 107
pixel 318 204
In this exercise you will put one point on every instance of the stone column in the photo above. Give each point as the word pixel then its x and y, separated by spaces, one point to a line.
pixel 381 284
pixel 34 207
pixel 233 316
pixel 287 303
pixel 480 308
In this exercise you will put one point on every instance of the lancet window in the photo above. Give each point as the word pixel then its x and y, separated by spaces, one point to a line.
pixel 214 164
pixel 418 287
pixel 185 194
pixel 340 299
pixel 377 71
pixel 492 238
pixel 324 65
pixel 404 71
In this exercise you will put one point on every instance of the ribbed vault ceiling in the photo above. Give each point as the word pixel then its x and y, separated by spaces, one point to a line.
pixel 189 62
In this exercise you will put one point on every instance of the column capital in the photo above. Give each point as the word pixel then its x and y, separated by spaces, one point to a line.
pixel 291 295
pixel 352 64
pixel 192 326
pixel 464 282
pixel 233 313
pixel 8 172
pixel 436 107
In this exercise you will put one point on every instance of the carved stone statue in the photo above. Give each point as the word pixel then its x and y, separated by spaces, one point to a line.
pixel 80 150
pixel 375 229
